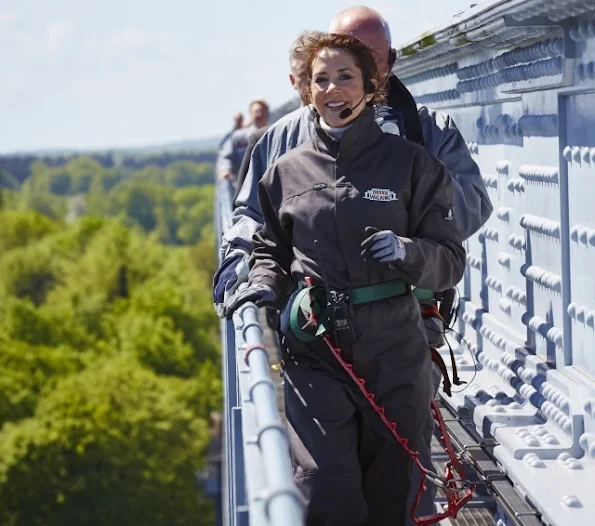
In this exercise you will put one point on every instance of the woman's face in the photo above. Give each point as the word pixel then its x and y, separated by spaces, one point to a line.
pixel 337 83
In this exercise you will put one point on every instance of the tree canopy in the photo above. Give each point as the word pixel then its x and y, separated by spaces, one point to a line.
pixel 109 344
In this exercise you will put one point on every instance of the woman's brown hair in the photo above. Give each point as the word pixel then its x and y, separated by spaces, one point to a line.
pixel 362 55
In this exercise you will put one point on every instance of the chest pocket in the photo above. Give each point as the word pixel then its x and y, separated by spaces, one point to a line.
pixel 310 209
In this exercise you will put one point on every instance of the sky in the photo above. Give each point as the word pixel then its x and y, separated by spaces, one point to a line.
pixel 98 74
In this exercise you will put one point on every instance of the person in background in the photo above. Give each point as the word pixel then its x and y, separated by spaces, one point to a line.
pixel 238 120
pixel 232 151
pixel 298 81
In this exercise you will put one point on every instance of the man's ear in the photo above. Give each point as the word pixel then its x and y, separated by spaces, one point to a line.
pixel 392 57
pixel 292 81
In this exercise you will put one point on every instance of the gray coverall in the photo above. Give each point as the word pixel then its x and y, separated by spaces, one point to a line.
pixel 348 465
pixel 442 138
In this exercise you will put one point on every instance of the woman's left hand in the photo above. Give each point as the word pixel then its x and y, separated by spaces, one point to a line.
pixel 383 246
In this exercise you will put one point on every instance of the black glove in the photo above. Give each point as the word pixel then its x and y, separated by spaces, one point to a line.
pixel 383 246
pixel 260 295
pixel 232 272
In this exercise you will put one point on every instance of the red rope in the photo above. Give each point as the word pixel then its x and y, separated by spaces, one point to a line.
pixel 431 312
pixel 458 491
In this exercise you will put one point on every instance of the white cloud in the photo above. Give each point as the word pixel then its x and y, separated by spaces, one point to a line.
pixel 10 32
pixel 56 37
pixel 20 44
pixel 8 17
pixel 133 46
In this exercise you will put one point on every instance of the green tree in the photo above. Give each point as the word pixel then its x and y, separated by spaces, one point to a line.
pixel 59 182
pixel 108 344
pixel 54 325
pixel 203 255
pixel 136 201
pixel 157 344
pixel 188 304
pixel 41 201
pixel 83 170
pixel 188 173
pixel 18 228
pixel 98 272
pixel 149 174
pixel 28 370
pixel 28 272
pixel 7 180
pixel 114 445
pixel 194 208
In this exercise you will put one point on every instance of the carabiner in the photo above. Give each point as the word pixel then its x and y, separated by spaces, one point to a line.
pixel 436 479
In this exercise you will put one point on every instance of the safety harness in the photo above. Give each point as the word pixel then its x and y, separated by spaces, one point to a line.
pixel 312 299
pixel 313 315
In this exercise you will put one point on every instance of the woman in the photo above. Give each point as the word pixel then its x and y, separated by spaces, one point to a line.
pixel 371 214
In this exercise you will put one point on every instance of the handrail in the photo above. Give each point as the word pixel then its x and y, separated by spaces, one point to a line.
pixel 258 487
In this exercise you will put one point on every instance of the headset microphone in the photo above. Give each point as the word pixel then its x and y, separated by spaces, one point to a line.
pixel 368 89
pixel 348 111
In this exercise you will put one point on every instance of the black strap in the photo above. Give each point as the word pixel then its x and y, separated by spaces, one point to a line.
pixel 437 359
pixel 447 305
pixel 400 99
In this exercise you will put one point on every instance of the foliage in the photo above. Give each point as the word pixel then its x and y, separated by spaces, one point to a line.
pixel 26 371
pixel 112 445
pixel 108 344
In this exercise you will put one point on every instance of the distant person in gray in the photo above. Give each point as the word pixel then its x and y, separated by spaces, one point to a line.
pixel 238 122
pixel 232 151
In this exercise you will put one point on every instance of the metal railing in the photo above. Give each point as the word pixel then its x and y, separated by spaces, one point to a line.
pixel 257 485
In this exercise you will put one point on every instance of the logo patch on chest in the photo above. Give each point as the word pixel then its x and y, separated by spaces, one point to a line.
pixel 380 194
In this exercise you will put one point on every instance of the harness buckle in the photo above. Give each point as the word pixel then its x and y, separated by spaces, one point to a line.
pixel 341 317
pixel 339 297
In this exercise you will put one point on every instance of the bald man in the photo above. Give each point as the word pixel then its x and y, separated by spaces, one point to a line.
pixel 436 131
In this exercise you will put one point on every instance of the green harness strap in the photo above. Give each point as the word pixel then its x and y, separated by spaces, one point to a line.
pixel 382 291
pixel 423 294
pixel 305 301
pixel 313 300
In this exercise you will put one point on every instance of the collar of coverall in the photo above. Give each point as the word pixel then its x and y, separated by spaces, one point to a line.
pixel 361 135
pixel 400 99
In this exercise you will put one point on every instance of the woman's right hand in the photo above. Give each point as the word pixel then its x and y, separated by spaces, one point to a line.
pixel 383 246
pixel 260 295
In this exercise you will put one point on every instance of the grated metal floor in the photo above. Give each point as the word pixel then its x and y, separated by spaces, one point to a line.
pixel 467 516
pixel 474 517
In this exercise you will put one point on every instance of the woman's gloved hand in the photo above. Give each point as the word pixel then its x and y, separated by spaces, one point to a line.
pixel 260 295
pixel 383 246
pixel 232 272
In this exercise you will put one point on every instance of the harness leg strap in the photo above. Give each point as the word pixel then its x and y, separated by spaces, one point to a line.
pixel 446 383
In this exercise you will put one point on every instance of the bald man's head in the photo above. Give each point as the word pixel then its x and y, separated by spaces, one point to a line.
pixel 368 26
